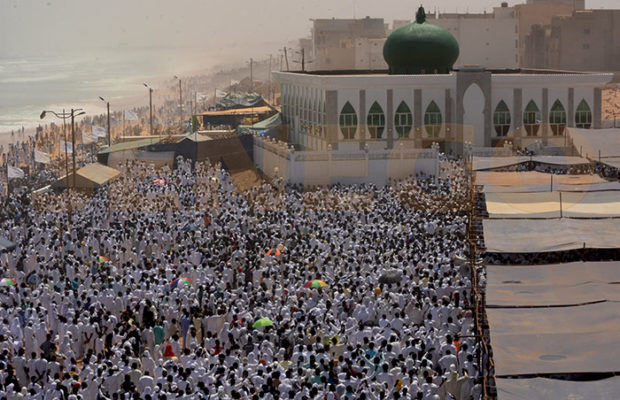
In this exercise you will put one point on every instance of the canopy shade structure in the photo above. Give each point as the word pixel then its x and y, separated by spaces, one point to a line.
pixel 537 236
pixel 593 143
pixel 552 285
pixel 555 340
pixel 533 178
pixel 89 177
pixel 552 389
pixel 554 205
pixel 490 163
pixel 594 187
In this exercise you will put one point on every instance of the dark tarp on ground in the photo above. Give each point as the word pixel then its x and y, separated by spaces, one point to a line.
pixel 6 245
pixel 552 285
pixel 558 340
pixel 538 236
pixel 554 205
pixel 552 389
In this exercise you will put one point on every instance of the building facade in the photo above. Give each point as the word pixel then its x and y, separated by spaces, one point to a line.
pixel 486 108
pixel 334 41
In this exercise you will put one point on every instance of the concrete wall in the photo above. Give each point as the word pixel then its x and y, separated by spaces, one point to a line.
pixel 347 167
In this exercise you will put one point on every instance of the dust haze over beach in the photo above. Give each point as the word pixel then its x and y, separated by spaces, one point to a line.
pixel 64 53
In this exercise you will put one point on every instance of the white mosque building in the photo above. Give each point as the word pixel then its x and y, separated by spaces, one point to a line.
pixel 422 101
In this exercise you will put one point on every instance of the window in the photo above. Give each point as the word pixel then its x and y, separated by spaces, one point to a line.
pixel 375 121
pixel 348 121
pixel 501 119
pixel 432 120
pixel 557 118
pixel 583 115
pixel 531 119
pixel 403 120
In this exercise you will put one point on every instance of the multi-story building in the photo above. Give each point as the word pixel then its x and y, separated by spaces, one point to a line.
pixel 335 41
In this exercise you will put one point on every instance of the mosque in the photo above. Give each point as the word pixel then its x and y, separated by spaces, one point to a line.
pixel 423 99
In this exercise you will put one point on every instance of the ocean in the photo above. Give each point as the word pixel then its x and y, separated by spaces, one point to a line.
pixel 31 84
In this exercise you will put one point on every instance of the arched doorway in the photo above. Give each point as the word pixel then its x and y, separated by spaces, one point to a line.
pixel 473 118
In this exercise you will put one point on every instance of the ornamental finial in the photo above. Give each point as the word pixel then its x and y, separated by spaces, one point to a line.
pixel 420 16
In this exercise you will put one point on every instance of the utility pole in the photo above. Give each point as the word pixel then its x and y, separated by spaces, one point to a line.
pixel 251 75
pixel 269 93
pixel 109 136
pixel 180 103
pixel 73 145
pixel 150 106
pixel 286 58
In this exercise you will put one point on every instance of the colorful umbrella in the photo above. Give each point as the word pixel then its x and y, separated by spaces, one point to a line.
pixel 275 252
pixel 8 282
pixel 103 259
pixel 262 322
pixel 160 182
pixel 315 284
pixel 176 282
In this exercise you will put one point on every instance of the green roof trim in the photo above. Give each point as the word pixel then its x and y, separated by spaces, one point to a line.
pixel 136 144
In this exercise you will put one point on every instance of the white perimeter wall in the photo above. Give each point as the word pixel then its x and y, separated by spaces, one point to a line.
pixel 325 168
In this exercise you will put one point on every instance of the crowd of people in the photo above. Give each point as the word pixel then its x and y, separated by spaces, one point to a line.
pixel 172 284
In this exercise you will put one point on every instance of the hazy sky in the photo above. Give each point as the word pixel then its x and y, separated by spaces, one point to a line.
pixel 29 27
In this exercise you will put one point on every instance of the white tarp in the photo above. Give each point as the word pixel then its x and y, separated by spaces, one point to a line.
pixel 537 236
pixel 552 389
pixel 595 187
pixel 552 285
pixel 593 143
pixel 554 340
pixel 527 178
pixel 554 205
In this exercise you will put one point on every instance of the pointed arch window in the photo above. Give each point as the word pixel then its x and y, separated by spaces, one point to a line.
pixel 583 115
pixel 348 121
pixel 532 119
pixel 432 120
pixel 501 119
pixel 557 118
pixel 403 120
pixel 375 121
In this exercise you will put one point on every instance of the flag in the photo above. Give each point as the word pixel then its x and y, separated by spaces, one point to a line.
pixel 131 116
pixel 98 131
pixel 88 138
pixel 42 157
pixel 219 93
pixel 15 172
pixel 68 149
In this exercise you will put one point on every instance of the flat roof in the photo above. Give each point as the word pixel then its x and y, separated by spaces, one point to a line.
pixel 238 111
pixel 462 68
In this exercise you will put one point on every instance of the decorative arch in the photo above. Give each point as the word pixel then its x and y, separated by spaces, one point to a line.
pixel 403 120
pixel 502 119
pixel 583 115
pixel 532 119
pixel 557 118
pixel 348 121
pixel 375 121
pixel 432 120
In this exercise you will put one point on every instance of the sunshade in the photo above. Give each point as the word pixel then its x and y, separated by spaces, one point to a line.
pixel 184 281
pixel 8 282
pixel 262 322
pixel 317 283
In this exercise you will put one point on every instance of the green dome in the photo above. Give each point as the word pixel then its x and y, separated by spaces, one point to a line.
pixel 420 47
